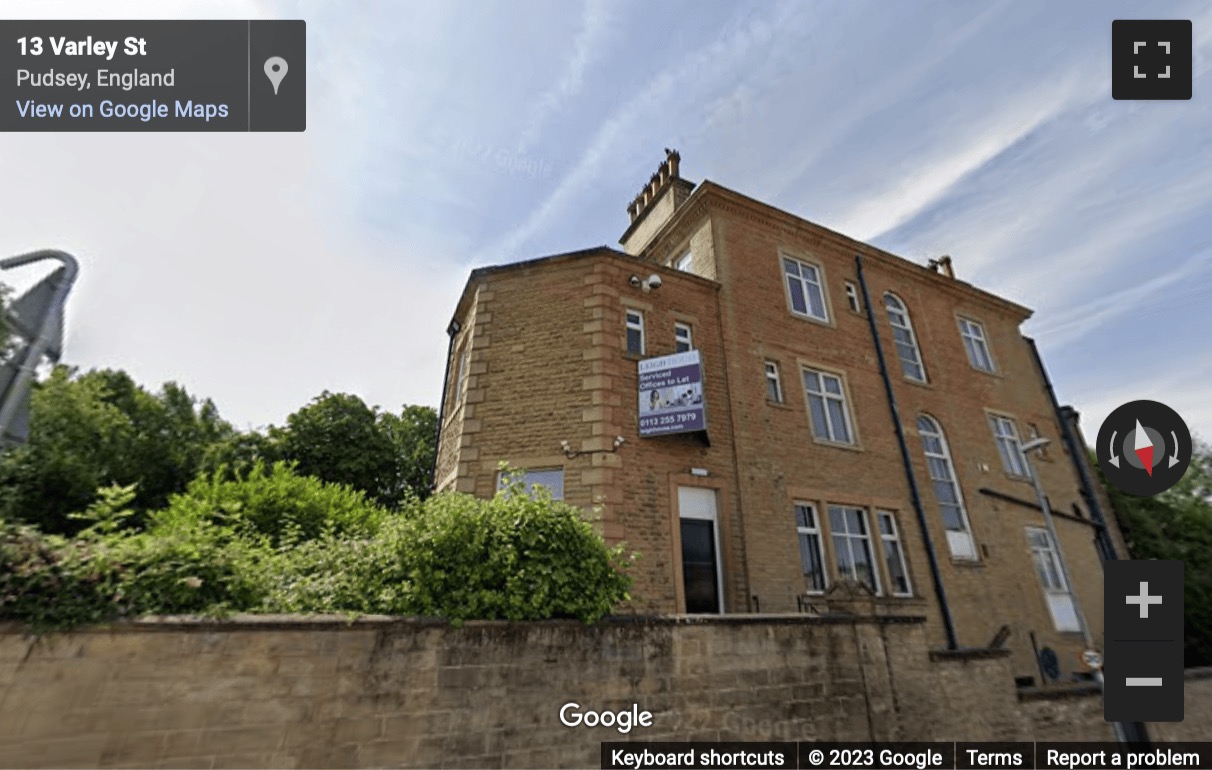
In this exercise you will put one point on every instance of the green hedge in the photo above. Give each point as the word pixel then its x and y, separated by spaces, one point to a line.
pixel 273 541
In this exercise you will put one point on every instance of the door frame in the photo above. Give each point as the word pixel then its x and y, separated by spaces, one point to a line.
pixel 715 519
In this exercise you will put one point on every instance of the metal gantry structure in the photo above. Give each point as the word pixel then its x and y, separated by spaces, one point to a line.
pixel 35 322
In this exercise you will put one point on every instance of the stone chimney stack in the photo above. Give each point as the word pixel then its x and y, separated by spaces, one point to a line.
pixel 659 198
pixel 943 265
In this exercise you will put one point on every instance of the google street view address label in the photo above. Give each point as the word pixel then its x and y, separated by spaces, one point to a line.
pixel 153 75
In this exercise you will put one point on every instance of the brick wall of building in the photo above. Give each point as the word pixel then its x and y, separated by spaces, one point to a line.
pixel 316 692
pixel 550 365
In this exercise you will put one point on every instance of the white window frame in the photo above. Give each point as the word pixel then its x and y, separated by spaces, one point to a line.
pixel 976 341
pixel 773 378
pixel 532 478
pixel 893 539
pixel 907 350
pixel 1009 445
pixel 848 538
pixel 805 536
pixel 685 263
pixel 961 543
pixel 818 281
pixel 826 397
pixel 683 335
pixel 635 322
pixel 852 297
pixel 461 376
pixel 1045 557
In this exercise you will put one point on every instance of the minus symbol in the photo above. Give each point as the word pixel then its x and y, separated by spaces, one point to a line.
pixel 1143 681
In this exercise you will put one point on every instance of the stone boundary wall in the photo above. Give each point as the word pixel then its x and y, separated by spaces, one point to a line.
pixel 256 691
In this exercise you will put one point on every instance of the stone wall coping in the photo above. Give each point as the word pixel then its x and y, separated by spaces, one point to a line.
pixel 1203 672
pixel 254 622
pixel 1082 689
pixel 1059 691
pixel 970 653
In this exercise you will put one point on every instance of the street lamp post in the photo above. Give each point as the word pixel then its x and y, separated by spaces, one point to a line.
pixel 1027 448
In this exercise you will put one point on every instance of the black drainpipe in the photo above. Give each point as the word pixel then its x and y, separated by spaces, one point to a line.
pixel 948 624
pixel 451 331
pixel 1102 538
pixel 1134 732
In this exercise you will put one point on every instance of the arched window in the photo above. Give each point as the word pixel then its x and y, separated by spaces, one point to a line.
pixel 906 340
pixel 946 488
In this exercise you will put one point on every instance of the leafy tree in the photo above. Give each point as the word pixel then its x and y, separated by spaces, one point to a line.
pixel 100 428
pixel 413 435
pixel 1177 524
pixel 339 439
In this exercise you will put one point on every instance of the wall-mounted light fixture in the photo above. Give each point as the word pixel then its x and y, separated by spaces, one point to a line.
pixel 646 284
pixel 570 453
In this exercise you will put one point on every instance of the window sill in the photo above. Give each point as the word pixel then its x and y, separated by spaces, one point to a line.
pixel 837 444
pixel 827 322
pixel 993 373
pixel 778 404
pixel 918 383
pixel 967 563
pixel 633 356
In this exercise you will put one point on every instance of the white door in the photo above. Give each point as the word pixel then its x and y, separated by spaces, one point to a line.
pixel 702 581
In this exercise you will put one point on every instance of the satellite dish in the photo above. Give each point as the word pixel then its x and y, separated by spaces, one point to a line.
pixel 1049 664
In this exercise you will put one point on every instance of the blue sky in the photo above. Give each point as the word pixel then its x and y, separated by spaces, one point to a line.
pixel 261 269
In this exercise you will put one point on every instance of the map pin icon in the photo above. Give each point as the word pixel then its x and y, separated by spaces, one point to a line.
pixel 275 70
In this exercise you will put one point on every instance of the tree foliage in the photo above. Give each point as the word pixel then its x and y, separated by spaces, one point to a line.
pixel 338 438
pixel 1177 524
pixel 93 430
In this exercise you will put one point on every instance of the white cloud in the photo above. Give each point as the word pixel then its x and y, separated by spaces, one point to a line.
pixel 692 75
pixel 1183 388
pixel 597 21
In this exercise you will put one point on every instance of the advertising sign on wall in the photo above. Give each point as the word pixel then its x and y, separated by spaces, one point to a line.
pixel 671 394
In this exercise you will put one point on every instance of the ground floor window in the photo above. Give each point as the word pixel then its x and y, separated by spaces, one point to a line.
pixel 842 545
pixel 551 479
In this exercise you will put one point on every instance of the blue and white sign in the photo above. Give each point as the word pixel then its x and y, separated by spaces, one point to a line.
pixel 671 394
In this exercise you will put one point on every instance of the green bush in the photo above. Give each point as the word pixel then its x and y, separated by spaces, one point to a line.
pixel 272 501
pixel 49 582
pixel 458 557
pixel 277 542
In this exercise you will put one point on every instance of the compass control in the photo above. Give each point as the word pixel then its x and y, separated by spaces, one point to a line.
pixel 1144 448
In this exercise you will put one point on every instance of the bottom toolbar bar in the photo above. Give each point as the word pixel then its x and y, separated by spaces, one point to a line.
pixel 909 756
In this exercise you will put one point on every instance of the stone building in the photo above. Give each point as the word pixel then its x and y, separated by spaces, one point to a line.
pixel 836 417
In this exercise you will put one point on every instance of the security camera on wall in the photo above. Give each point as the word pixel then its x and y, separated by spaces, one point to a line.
pixel 653 282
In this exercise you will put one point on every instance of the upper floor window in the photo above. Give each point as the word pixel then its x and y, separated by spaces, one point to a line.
pixel 460 377
pixel 812 553
pixel 852 297
pixel 683 338
pixel 635 332
pixel 774 385
pixel 976 345
pixel 551 479
pixel 684 263
pixel 805 289
pixel 946 488
pixel 1005 433
pixel 906 341
pixel 827 407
